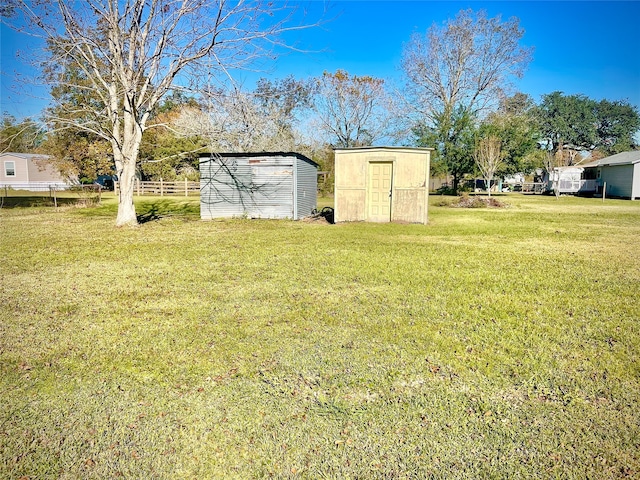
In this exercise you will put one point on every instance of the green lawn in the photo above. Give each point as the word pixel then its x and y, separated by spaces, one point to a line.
pixel 499 343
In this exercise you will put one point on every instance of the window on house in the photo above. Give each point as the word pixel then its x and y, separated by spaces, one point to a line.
pixel 10 169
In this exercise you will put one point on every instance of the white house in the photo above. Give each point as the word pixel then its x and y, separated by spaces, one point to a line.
pixel 573 179
pixel 29 171
pixel 620 172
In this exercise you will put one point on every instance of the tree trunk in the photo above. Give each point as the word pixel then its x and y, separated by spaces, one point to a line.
pixel 126 167
pixel 456 184
pixel 126 208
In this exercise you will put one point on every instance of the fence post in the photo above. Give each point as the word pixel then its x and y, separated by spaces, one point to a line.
pixel 186 188
pixel 604 191
pixel 161 187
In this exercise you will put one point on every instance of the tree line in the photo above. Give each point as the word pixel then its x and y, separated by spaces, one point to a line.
pixel 136 91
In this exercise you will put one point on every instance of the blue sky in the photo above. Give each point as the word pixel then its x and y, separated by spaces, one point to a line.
pixel 581 47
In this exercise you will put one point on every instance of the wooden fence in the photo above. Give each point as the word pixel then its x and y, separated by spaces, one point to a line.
pixel 163 188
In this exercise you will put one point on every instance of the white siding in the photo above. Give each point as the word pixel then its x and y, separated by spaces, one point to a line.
pixel 619 179
pixel 636 182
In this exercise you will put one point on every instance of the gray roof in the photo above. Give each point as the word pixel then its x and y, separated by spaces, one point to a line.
pixel 25 155
pixel 624 158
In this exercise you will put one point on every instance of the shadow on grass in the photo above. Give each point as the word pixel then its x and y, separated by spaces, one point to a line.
pixel 35 201
pixel 158 209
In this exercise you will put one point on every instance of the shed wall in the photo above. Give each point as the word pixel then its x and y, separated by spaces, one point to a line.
pixel 306 200
pixel 636 182
pixel 410 183
pixel 257 186
pixel 619 179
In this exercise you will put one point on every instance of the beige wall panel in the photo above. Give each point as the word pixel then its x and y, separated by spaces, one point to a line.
pixel 411 171
pixel 39 171
pixel 351 172
pixel 20 164
pixel 409 206
pixel 350 205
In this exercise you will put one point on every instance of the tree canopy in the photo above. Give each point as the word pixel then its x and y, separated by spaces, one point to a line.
pixel 576 123
pixel 351 110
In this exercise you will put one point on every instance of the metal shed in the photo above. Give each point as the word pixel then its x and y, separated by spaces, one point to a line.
pixel 382 184
pixel 257 185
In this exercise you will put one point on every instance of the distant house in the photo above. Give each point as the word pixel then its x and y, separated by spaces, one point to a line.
pixel 620 173
pixel 28 171
pixel 573 179
pixel 257 185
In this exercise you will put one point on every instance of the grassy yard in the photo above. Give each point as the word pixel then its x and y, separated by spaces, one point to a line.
pixel 499 343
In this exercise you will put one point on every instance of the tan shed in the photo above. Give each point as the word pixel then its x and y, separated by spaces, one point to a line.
pixel 382 184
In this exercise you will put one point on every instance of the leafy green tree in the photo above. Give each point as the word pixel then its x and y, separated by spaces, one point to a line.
pixel 567 122
pixel 19 136
pixel 453 139
pixel 617 122
pixel 572 123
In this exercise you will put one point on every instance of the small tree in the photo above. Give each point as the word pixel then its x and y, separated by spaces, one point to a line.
pixel 488 158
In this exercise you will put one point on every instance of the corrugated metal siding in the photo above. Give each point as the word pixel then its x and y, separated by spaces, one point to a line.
pixel 255 186
pixel 225 188
pixel 273 194
pixel 306 188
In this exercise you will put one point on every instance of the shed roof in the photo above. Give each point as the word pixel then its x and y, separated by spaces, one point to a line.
pixel 259 154
pixel 624 158
pixel 411 149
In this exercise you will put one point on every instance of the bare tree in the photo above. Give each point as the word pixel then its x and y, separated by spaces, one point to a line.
pixel 238 121
pixel 488 158
pixel 128 54
pixel 460 69
pixel 467 61
pixel 351 110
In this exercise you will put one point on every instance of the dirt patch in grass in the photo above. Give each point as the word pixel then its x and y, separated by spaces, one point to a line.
pixel 466 201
